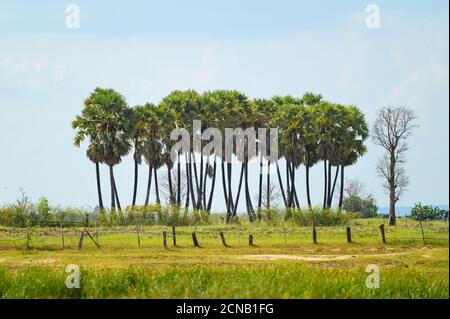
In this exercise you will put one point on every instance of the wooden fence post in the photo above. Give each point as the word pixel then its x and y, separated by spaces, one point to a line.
pixel 314 234
pixel 80 242
pixel 62 233
pixel 96 230
pixel 174 236
pixel 164 233
pixel 250 239
pixel 222 237
pixel 138 236
pixel 28 235
pixel 349 234
pixel 383 235
pixel 421 229
pixel 194 239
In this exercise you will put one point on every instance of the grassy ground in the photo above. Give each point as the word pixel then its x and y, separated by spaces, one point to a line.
pixel 284 263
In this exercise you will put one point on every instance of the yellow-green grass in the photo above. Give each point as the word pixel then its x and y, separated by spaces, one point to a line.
pixel 277 266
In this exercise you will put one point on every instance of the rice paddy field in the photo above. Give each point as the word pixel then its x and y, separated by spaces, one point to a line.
pixel 283 262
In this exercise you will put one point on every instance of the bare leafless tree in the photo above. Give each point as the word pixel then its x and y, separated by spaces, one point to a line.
pixel 270 196
pixel 391 130
pixel 164 186
pixel 353 188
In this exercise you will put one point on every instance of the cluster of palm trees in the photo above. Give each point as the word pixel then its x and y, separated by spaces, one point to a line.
pixel 310 131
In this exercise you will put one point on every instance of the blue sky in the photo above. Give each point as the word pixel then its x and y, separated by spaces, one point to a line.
pixel 146 49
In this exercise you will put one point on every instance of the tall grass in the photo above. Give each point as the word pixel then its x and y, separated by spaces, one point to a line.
pixel 287 281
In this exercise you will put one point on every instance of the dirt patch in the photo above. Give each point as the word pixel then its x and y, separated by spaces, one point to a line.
pixel 297 257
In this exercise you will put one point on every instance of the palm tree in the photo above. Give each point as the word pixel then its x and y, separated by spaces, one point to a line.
pixel 352 142
pixel 109 124
pixel 264 111
pixel 83 124
pixel 184 106
pixel 137 126
pixel 152 145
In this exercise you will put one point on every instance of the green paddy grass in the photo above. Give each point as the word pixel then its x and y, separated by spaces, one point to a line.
pixel 284 263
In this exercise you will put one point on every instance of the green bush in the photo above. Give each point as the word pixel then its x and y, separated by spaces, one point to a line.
pixel 427 212
pixel 321 217
pixel 367 207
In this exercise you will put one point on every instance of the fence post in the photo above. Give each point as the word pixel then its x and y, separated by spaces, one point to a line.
pixel 194 239
pixel 250 239
pixel 222 237
pixel 349 234
pixel 137 234
pixel 285 238
pixel 421 229
pixel 28 235
pixel 80 242
pixel 62 233
pixel 174 236
pixel 383 236
pixel 96 230
pixel 164 233
pixel 314 234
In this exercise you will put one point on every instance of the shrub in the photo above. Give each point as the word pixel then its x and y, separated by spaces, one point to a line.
pixel 367 207
pixel 427 212
pixel 321 217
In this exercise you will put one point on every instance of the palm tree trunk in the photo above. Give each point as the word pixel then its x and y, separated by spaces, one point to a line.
pixel 195 174
pixel 295 202
pixel 117 195
pixel 308 192
pixel 239 190
pixel 99 188
pixel 149 184
pixel 289 193
pixel 250 211
pixel 213 183
pixel 334 185
pixel 158 200
pixel 190 181
pixel 268 185
pixel 341 195
pixel 200 189
pixel 188 186
pixel 204 186
pixel 179 180
pixel 224 184
pixel 171 196
pixel 230 194
pixel 260 182
pixel 113 190
pixel 325 183
pixel 136 174
pixel 280 181
pixel 329 183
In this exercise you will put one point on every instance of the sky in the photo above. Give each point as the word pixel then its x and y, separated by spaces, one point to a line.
pixel 145 49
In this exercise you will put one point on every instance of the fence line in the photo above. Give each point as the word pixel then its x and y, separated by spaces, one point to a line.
pixel 316 233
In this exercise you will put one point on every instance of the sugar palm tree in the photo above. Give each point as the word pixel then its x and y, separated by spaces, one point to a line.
pixel 137 126
pixel 352 144
pixel 152 145
pixel 110 113
pixel 85 128
pixel 264 111
pixel 184 106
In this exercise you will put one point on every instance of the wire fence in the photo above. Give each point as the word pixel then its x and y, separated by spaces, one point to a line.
pixel 75 234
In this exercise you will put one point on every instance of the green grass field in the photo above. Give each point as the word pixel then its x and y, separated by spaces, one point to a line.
pixel 284 263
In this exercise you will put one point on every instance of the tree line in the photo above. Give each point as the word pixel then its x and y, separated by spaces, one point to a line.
pixel 311 131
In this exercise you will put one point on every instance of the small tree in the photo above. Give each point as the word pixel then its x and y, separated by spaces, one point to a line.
pixel 354 201
pixel 391 130
pixel 43 208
